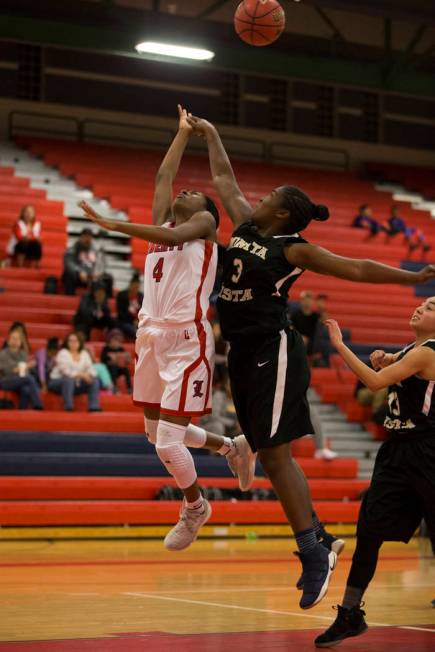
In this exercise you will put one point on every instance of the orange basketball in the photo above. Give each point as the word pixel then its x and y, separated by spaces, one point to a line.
pixel 259 22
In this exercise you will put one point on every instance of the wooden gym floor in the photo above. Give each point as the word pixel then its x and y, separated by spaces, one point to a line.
pixel 218 596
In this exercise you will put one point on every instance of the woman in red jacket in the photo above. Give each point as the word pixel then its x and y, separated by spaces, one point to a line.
pixel 25 242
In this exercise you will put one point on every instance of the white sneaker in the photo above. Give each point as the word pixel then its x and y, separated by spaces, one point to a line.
pixel 325 454
pixel 186 530
pixel 241 461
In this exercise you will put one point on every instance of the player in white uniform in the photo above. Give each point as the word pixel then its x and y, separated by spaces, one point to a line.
pixel 174 343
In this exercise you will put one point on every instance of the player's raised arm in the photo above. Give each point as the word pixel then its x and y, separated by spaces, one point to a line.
pixel 201 225
pixel 322 261
pixel 224 179
pixel 416 361
pixel 162 201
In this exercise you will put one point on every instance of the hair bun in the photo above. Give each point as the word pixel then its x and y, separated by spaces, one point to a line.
pixel 320 212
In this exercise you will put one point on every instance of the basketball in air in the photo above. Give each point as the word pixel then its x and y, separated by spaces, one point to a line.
pixel 259 22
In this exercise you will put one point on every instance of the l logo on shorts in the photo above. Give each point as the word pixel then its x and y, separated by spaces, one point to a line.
pixel 197 387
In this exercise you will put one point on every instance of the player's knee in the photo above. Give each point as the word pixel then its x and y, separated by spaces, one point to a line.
pixel 151 430
pixel 178 462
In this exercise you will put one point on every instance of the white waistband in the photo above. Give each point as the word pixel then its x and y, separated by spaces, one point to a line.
pixel 165 323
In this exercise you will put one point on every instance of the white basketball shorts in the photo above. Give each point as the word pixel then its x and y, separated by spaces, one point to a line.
pixel 174 368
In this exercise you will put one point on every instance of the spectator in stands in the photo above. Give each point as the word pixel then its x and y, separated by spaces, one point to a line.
pixel 128 303
pixel 305 319
pixel 365 220
pixel 117 359
pixel 14 372
pixel 45 360
pixel 21 327
pixel 414 237
pixel 73 373
pixel 79 263
pixel 24 245
pixel 93 311
pixel 321 341
pixel 221 354
pixel 377 400
pixel 103 374
pixel 221 420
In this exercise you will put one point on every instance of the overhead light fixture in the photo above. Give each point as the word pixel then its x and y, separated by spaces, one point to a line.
pixel 178 51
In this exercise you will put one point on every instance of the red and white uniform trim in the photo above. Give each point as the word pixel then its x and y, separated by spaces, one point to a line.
pixel 175 343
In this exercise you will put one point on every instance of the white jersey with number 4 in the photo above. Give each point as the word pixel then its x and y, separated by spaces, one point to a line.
pixel 178 281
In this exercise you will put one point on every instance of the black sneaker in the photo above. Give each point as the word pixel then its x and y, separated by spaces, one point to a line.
pixel 349 622
pixel 317 566
pixel 331 543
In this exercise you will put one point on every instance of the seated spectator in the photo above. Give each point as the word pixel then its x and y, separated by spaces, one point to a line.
pixel 24 245
pixel 116 358
pixel 221 354
pixel 365 220
pixel 93 311
pixel 45 360
pixel 376 400
pixel 103 374
pixel 73 373
pixel 14 372
pixel 128 303
pixel 221 420
pixel 321 341
pixel 21 327
pixel 79 263
pixel 413 237
pixel 305 319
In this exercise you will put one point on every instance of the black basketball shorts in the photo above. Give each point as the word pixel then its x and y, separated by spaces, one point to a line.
pixel 269 380
pixel 402 490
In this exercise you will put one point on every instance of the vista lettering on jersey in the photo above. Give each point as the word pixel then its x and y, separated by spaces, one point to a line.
pixel 161 248
pixel 235 295
pixel 251 247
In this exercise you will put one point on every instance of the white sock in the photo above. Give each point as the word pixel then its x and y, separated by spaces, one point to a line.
pixel 197 504
pixel 226 446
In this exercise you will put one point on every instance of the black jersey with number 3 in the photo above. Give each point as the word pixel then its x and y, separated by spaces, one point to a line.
pixel 411 402
pixel 255 283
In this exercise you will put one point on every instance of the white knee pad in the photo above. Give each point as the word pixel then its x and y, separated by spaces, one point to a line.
pixel 174 454
pixel 195 436
pixel 151 430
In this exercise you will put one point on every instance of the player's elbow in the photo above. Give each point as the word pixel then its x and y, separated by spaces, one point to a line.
pixel 375 385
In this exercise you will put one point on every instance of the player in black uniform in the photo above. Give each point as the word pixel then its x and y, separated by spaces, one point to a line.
pixel 267 361
pixel 402 491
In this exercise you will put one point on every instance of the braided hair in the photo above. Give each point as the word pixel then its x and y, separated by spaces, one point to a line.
pixel 301 208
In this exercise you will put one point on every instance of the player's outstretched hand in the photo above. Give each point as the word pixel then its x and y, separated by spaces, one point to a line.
pixel 183 125
pixel 334 332
pixel 200 127
pixel 94 216
pixel 426 274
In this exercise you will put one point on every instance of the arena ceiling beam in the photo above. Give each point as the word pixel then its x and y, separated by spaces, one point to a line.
pixel 112 34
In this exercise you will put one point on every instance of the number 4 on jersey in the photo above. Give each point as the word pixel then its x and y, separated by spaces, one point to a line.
pixel 158 270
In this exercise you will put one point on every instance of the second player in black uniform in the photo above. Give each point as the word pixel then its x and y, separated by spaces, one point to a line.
pixel 402 490
pixel 267 361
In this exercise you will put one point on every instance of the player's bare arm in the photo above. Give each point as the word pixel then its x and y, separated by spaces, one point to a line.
pixel 420 360
pixel 380 359
pixel 168 169
pixel 322 261
pixel 201 225
pixel 224 179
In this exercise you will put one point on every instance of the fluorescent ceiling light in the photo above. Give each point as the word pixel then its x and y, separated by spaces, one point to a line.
pixel 179 51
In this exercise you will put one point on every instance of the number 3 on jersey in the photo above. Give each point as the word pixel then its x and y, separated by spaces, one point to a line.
pixel 239 269
pixel 158 270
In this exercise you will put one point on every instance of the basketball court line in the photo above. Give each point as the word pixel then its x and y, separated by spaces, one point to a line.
pixel 149 562
pixel 266 611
